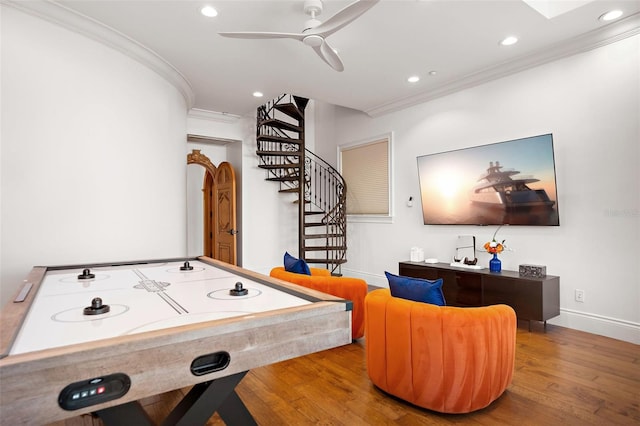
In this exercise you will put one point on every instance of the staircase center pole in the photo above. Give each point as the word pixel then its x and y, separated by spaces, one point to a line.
pixel 301 191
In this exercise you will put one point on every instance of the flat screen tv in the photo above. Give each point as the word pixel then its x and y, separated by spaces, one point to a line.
pixel 505 183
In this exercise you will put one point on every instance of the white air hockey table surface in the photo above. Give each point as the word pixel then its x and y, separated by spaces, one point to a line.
pixel 141 298
pixel 97 338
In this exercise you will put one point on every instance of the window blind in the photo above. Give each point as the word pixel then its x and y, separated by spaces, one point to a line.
pixel 365 169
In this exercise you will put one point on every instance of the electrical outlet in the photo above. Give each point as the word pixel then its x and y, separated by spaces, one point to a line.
pixel 579 295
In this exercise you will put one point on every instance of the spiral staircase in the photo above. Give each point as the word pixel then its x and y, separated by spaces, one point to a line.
pixel 321 190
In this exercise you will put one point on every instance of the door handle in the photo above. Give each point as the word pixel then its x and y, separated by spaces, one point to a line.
pixel 232 232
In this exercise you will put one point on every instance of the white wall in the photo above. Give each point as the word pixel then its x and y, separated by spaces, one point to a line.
pixel 92 153
pixel 591 104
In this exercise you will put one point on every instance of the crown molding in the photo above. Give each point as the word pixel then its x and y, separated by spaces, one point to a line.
pixel 203 114
pixel 210 140
pixel 612 33
pixel 81 24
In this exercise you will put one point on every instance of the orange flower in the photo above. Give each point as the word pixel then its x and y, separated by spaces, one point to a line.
pixel 494 247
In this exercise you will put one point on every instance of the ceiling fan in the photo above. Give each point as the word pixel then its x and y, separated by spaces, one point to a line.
pixel 315 31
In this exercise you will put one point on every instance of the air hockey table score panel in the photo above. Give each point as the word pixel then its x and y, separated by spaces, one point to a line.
pixel 157 355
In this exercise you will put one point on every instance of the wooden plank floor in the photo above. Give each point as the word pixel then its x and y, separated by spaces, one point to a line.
pixel 563 377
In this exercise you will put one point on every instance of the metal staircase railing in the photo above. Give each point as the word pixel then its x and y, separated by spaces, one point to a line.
pixel 325 201
pixel 322 212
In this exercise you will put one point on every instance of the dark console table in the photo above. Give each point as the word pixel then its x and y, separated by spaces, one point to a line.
pixel 536 299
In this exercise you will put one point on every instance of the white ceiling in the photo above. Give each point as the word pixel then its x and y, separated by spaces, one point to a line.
pixel 395 39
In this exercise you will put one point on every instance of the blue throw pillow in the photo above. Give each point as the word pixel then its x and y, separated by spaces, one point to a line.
pixel 298 266
pixel 416 289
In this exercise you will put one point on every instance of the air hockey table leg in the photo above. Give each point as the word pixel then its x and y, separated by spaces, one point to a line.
pixel 234 412
pixel 130 413
pixel 204 399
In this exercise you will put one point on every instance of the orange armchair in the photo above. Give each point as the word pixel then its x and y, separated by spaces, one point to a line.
pixel 354 289
pixel 445 359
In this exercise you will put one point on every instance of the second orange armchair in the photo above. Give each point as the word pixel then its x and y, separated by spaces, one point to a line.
pixel 354 289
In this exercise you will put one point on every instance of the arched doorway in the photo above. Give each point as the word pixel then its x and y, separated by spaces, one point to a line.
pixel 219 208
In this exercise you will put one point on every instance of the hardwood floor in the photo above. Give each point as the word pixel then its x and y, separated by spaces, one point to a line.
pixel 563 377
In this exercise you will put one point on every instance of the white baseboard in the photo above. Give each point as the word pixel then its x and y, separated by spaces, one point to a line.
pixel 584 321
pixel 599 324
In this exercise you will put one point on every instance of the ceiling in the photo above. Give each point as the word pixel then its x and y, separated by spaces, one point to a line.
pixel 393 40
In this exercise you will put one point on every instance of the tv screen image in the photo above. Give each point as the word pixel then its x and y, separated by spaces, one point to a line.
pixel 505 183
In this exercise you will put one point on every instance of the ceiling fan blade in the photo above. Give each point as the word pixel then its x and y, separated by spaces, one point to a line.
pixel 262 35
pixel 343 17
pixel 330 56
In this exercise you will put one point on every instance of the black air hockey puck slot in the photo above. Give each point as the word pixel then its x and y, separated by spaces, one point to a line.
pixel 209 363
pixel 238 290
pixel 186 267
pixel 93 391
pixel 96 307
pixel 86 275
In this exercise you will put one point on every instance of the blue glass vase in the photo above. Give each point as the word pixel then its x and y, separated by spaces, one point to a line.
pixel 495 265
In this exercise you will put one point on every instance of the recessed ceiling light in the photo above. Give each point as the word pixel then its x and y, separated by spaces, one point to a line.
pixel 413 79
pixel 209 11
pixel 611 15
pixel 508 41
pixel 258 94
pixel 433 73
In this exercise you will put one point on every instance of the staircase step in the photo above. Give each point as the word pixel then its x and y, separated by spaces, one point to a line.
pixel 279 153
pixel 279 124
pixel 308 213
pixel 323 236
pixel 301 102
pixel 328 261
pixel 280 166
pixel 315 224
pixel 285 190
pixel 324 248
pixel 276 138
pixel 283 179
pixel 291 110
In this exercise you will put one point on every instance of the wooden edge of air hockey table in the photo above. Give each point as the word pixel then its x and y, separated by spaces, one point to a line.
pixel 161 361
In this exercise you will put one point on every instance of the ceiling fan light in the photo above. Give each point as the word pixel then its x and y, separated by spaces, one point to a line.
pixel 313 40
pixel 611 15
pixel 209 11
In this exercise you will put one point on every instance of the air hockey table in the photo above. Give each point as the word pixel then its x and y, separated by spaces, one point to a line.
pixel 98 338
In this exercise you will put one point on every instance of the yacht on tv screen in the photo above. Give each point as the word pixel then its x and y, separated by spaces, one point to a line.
pixel 498 188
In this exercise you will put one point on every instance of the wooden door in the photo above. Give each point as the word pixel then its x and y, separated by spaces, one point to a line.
pixel 224 201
